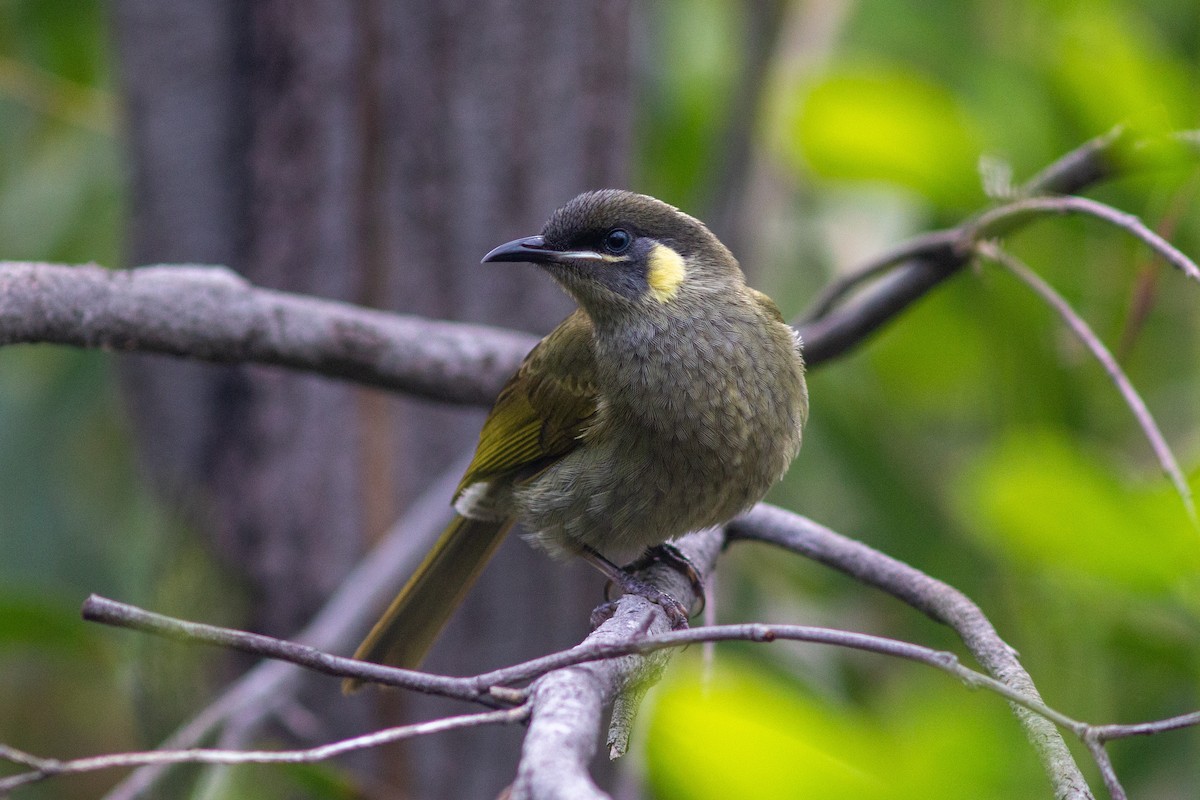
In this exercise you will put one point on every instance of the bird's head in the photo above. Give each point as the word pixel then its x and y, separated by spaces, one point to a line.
pixel 616 251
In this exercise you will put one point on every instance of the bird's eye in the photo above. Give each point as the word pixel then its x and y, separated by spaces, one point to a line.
pixel 617 241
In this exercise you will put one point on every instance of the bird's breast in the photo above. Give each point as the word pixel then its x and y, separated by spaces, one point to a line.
pixel 689 430
pixel 715 386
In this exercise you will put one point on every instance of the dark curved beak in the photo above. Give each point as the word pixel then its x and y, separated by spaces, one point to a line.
pixel 532 249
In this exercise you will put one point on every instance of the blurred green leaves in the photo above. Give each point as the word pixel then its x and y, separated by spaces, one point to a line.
pixel 75 519
pixel 886 123
pixel 748 735
pixel 59 174
pixel 693 44
pixel 1002 80
pixel 31 622
pixel 1112 68
pixel 1040 499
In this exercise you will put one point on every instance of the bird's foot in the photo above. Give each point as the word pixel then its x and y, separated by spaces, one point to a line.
pixel 676 613
pixel 671 556
pixel 624 579
pixel 602 613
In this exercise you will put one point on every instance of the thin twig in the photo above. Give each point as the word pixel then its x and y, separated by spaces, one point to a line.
pixel 1107 772
pixel 1106 733
pixel 1158 443
pixel 122 615
pixel 951 246
pixel 931 257
pixel 938 245
pixel 1003 220
pixel 44 768
pixel 1111 154
pixel 475 688
pixel 588 652
pixel 1090 163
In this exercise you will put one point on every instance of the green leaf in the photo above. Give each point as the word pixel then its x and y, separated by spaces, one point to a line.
pixel 747 735
pixel 322 780
pixel 28 621
pixel 1052 507
pixel 1112 67
pixel 886 124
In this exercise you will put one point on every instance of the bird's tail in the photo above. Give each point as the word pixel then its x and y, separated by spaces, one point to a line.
pixel 406 631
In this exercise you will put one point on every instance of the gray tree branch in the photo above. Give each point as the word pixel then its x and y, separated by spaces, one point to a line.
pixel 568 703
pixel 44 768
pixel 565 722
pixel 1158 442
pixel 570 689
pixel 917 266
pixel 212 314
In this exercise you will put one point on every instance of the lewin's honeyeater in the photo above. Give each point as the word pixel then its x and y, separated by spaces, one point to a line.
pixel 669 401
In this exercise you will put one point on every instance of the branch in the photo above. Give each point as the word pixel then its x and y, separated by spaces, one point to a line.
pixel 1158 443
pixel 43 768
pixel 1003 220
pixel 577 686
pixel 949 250
pixel 551 699
pixel 920 264
pixel 928 260
pixel 212 314
pixel 121 615
pixel 495 687
pixel 1091 163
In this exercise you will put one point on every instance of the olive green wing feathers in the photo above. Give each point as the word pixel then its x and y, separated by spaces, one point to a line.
pixel 538 418
pixel 543 411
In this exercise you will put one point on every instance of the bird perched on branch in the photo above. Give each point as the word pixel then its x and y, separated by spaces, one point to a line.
pixel 670 400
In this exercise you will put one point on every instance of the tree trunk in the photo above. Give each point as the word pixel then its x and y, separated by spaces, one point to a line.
pixel 370 152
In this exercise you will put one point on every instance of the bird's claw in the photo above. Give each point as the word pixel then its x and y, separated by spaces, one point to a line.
pixel 676 613
pixel 624 578
pixel 671 556
pixel 602 613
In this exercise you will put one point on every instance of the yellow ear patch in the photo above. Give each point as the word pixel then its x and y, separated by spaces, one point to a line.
pixel 666 272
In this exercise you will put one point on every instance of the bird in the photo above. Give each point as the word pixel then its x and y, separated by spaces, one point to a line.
pixel 669 401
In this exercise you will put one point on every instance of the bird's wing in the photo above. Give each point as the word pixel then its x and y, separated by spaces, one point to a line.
pixel 542 411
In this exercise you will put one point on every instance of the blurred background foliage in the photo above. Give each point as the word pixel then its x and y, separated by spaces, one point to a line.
pixel 974 438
